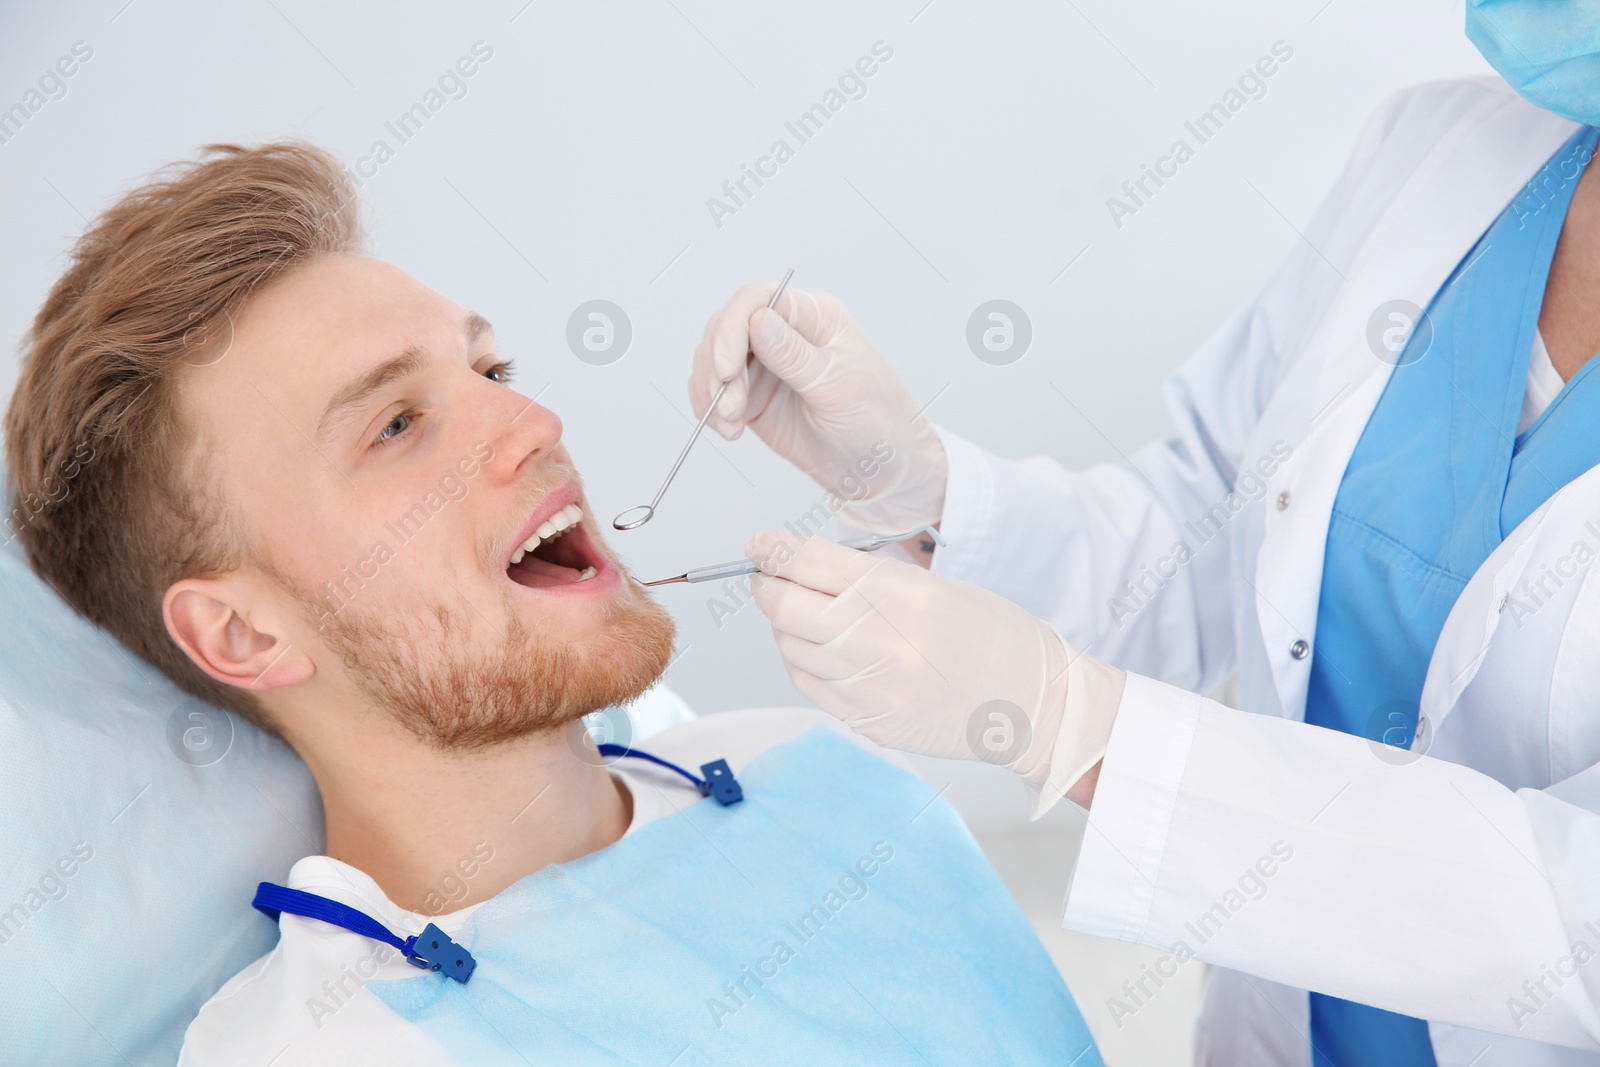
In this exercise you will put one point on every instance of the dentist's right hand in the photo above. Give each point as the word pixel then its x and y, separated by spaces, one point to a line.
pixel 820 395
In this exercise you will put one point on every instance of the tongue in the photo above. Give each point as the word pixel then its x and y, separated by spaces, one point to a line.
pixel 539 573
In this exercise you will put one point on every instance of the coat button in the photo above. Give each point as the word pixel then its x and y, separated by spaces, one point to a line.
pixel 1299 650
pixel 1283 500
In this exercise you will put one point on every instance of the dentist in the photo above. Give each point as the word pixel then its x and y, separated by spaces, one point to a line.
pixel 1381 517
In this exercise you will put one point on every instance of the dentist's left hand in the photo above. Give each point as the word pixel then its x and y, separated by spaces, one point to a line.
pixel 917 662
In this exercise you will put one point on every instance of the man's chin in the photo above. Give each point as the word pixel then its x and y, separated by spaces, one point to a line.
pixel 456 692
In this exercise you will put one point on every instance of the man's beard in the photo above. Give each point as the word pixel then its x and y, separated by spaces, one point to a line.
pixel 440 679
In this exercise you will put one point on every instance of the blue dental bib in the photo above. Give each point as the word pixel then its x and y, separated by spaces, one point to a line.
pixel 841 913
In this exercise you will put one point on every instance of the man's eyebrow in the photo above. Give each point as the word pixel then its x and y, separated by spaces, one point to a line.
pixel 388 372
pixel 355 391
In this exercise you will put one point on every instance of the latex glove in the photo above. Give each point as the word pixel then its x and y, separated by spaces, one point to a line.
pixel 918 662
pixel 822 397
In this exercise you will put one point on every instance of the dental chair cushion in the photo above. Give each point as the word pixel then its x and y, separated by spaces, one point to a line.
pixel 136 824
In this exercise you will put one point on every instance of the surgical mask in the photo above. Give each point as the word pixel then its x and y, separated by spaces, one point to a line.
pixel 1549 50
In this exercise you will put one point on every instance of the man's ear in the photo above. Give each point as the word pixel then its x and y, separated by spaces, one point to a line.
pixel 211 620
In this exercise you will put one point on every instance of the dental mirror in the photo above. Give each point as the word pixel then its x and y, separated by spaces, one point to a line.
pixel 636 517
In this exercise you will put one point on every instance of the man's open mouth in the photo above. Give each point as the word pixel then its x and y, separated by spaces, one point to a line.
pixel 560 552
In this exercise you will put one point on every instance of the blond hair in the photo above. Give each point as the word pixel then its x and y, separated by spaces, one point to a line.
pixel 110 495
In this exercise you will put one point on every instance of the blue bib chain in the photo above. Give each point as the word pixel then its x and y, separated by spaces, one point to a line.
pixel 433 949
pixel 718 783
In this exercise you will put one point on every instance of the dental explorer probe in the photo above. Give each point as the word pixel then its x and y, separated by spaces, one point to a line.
pixel 645 512
pixel 744 566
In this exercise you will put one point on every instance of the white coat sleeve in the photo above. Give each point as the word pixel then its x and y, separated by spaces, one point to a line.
pixel 1097 552
pixel 1294 853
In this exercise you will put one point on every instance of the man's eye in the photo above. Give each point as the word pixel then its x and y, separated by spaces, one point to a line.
pixel 396 428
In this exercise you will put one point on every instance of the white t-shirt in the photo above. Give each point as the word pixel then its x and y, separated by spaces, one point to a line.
pixel 1543 384
pixel 306 1002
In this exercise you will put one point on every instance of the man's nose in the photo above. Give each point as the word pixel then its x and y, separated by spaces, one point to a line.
pixel 523 432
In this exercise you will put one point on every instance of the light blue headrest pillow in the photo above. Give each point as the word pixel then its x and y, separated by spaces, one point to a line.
pixel 136 822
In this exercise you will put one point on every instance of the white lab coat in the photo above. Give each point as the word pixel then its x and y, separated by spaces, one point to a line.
pixel 1434 888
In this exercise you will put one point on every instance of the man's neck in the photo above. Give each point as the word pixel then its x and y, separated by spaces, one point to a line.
pixel 439 831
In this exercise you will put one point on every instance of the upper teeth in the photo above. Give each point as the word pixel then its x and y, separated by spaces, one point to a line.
pixel 553 527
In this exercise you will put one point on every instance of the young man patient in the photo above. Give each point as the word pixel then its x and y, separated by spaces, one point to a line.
pixel 317 500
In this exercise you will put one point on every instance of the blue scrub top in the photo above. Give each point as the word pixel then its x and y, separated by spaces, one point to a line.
pixel 1438 479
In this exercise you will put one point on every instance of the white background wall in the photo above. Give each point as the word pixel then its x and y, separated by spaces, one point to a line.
pixel 579 162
